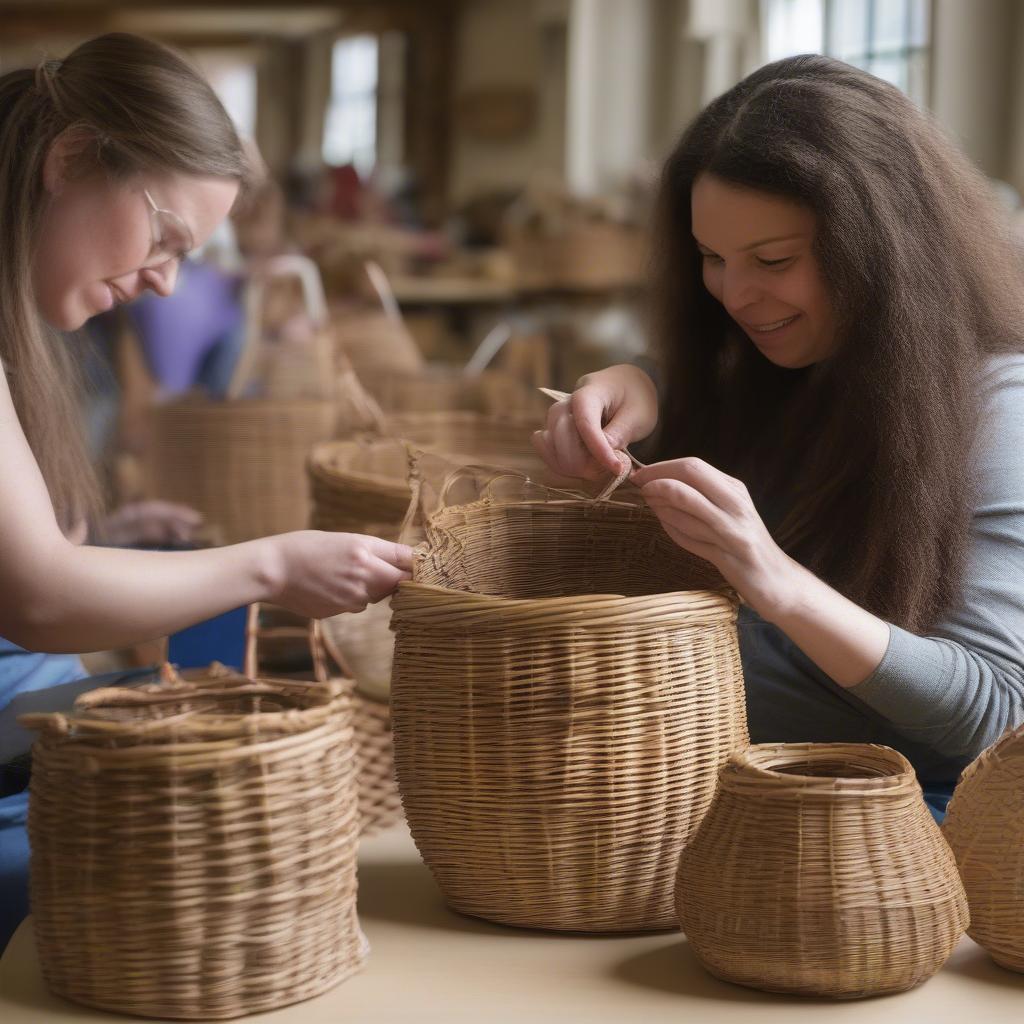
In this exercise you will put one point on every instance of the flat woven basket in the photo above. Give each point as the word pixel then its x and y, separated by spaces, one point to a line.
pixel 565 687
pixel 278 641
pixel 194 847
pixel 819 870
pixel 240 463
pixel 364 480
pixel 984 825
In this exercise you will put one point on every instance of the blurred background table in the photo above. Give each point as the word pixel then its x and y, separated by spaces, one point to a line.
pixel 431 965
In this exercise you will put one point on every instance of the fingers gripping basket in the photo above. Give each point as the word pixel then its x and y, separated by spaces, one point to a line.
pixel 984 825
pixel 193 847
pixel 565 688
pixel 819 870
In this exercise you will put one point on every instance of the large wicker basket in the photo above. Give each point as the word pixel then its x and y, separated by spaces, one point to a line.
pixel 819 870
pixel 984 825
pixel 194 847
pixel 240 463
pixel 566 686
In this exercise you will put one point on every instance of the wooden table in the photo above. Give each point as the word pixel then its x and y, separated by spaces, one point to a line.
pixel 430 965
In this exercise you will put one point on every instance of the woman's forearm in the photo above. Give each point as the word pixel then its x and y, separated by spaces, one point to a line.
pixel 846 642
pixel 91 598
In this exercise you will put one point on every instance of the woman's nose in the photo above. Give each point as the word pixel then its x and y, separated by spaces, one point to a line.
pixel 739 289
pixel 161 278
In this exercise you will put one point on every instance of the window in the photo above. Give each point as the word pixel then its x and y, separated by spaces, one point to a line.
pixel 889 38
pixel 350 125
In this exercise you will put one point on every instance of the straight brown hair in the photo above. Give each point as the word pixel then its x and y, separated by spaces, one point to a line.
pixel 143 109
pixel 861 463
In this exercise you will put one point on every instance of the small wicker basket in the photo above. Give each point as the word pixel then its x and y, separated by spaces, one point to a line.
pixel 819 870
pixel 984 825
pixel 561 704
pixel 194 847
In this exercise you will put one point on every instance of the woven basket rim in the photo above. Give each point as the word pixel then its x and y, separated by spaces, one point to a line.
pixel 758 768
pixel 323 458
pixel 996 752
pixel 85 725
pixel 427 602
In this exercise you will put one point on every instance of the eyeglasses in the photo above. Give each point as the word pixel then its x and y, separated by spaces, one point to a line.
pixel 172 238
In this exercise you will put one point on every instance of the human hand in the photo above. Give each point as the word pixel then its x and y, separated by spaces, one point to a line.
pixel 608 410
pixel 324 574
pixel 712 516
pixel 150 522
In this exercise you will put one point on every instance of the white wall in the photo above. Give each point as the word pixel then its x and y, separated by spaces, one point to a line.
pixel 503 43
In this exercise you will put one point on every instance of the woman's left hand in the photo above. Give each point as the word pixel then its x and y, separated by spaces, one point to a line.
pixel 712 515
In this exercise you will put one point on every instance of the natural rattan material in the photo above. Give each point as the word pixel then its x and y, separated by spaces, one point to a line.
pixel 194 847
pixel 984 825
pixel 819 870
pixel 557 744
pixel 276 639
pixel 240 463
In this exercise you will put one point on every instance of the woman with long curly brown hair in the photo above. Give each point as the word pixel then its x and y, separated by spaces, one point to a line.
pixel 841 315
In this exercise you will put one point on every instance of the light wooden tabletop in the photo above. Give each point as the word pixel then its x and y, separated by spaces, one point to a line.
pixel 430 965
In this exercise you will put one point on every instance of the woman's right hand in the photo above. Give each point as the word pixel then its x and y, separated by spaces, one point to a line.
pixel 321 574
pixel 608 411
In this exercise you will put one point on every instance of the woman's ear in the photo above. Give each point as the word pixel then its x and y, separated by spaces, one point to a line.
pixel 65 151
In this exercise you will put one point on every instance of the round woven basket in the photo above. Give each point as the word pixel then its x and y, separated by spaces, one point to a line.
pixel 984 825
pixel 194 847
pixel 240 463
pixel 819 870
pixel 565 688
pixel 363 481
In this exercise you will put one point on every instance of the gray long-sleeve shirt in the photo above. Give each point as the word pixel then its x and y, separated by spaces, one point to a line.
pixel 942 698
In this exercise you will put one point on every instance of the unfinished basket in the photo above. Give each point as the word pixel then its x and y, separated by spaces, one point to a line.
pixel 240 463
pixel 565 688
pixel 819 870
pixel 194 847
pixel 984 825
pixel 278 641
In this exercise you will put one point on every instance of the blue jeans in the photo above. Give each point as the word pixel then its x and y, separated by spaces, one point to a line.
pixel 14 776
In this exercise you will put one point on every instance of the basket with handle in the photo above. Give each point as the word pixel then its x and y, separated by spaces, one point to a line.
pixel 194 846
pixel 819 870
pixel 241 462
pixel 566 685
pixel 277 641
pixel 984 825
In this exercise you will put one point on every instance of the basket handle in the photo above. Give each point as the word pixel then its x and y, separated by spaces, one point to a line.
pixel 314 297
pixel 383 290
pixel 318 649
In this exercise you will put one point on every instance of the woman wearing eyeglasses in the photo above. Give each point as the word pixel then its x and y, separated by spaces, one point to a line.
pixel 841 423
pixel 114 163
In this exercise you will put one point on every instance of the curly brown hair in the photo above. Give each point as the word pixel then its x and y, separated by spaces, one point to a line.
pixel 862 462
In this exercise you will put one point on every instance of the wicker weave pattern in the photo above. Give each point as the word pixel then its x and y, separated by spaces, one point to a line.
pixel 985 827
pixel 239 463
pixel 193 849
pixel 556 744
pixel 819 870
pixel 275 637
